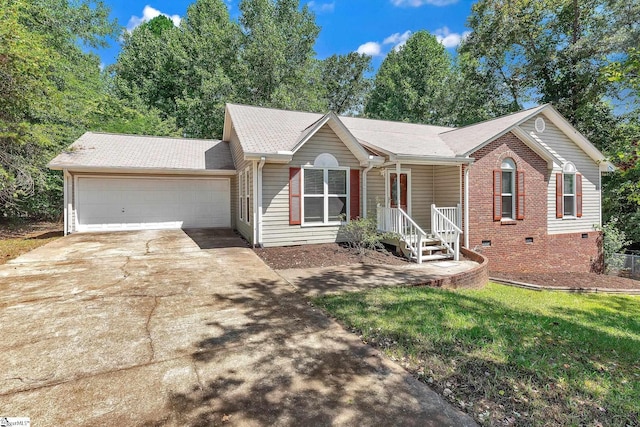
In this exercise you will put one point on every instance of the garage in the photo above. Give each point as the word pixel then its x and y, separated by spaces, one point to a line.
pixel 138 203
pixel 116 182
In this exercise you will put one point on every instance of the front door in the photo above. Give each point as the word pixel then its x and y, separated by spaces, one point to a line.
pixel 393 191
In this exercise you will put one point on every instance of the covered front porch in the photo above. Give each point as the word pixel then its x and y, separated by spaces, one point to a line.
pixel 420 205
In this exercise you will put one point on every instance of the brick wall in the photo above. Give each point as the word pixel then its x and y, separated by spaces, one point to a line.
pixel 509 249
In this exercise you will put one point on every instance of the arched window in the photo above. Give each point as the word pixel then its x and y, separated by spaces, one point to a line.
pixel 508 189
pixel 569 189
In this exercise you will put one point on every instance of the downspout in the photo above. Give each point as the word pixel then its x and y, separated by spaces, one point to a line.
pixel 254 199
pixel 259 184
pixel 466 207
pixel 398 172
pixel 364 189
pixel 65 186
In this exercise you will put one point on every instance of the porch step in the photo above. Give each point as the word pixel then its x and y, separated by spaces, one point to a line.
pixel 435 257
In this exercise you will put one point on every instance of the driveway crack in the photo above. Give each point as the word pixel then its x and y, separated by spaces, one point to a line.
pixel 147 328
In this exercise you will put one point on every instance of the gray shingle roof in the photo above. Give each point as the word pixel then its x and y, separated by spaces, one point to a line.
pixel 266 130
pixel 466 139
pixel 104 150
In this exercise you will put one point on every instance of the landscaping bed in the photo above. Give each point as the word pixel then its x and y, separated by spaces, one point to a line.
pixel 570 280
pixel 323 255
pixel 19 238
pixel 509 356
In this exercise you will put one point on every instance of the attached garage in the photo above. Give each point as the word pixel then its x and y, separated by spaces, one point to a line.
pixel 127 182
pixel 138 203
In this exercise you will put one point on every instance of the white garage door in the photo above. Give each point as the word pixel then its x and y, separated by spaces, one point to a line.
pixel 150 203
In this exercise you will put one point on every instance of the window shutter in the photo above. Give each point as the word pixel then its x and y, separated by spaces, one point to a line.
pixel 578 195
pixel 354 195
pixel 295 197
pixel 520 196
pixel 497 195
pixel 559 183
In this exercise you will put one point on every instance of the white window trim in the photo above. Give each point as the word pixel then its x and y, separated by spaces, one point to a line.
pixel 513 190
pixel 243 195
pixel 387 190
pixel 569 169
pixel 325 196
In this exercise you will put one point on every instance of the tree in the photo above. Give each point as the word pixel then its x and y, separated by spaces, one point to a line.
pixel 148 66
pixel 345 83
pixel 412 83
pixel 277 55
pixel 209 46
pixel 554 51
pixel 48 85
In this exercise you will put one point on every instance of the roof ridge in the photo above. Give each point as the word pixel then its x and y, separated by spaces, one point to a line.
pixel 274 109
pixel 149 136
pixel 396 121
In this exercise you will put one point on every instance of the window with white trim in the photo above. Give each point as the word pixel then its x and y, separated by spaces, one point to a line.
pixel 569 190
pixel 243 195
pixel 508 189
pixel 325 195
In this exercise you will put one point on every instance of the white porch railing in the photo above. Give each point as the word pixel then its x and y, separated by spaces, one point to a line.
pixel 443 226
pixel 397 221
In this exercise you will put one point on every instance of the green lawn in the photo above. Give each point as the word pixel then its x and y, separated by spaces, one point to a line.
pixel 510 356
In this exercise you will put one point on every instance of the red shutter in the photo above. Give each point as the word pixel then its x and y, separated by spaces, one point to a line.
pixel 497 195
pixel 354 196
pixel 520 196
pixel 578 195
pixel 295 197
pixel 559 195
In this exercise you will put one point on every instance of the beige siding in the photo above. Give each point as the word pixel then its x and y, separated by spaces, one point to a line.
pixel 375 191
pixel 429 184
pixel 422 195
pixel 246 230
pixel 276 230
pixel 447 185
pixel 569 151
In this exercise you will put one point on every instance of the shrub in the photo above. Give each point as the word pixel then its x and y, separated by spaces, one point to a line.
pixel 613 241
pixel 362 235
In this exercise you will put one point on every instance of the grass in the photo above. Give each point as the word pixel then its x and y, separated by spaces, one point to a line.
pixel 510 356
pixel 19 238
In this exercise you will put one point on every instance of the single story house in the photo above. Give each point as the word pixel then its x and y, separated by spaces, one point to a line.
pixel 524 189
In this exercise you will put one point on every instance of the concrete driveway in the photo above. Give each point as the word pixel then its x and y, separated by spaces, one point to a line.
pixel 169 328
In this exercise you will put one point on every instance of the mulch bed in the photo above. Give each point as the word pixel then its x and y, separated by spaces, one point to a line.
pixel 30 230
pixel 323 255
pixel 571 280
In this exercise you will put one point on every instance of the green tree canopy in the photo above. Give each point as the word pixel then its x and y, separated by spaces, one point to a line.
pixel 412 83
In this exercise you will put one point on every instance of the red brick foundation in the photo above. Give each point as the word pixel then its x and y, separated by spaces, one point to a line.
pixel 522 245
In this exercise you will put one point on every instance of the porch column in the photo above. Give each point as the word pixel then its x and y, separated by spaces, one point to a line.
pixel 398 171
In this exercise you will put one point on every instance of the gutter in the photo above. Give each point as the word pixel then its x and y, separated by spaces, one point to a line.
pixel 259 199
pixel 466 207
pixel 364 189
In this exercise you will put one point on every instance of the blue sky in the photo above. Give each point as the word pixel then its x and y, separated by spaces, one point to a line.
pixel 373 27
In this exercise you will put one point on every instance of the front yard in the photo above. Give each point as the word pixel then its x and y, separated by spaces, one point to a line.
pixel 509 356
pixel 19 238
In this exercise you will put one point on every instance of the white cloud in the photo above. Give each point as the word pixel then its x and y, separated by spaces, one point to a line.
pixel 322 7
pixel 148 13
pixel 370 48
pixel 418 3
pixel 449 39
pixel 397 40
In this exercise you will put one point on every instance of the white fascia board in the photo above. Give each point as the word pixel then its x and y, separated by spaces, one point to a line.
pixel 226 131
pixel 347 137
pixel 536 147
pixel 505 131
pixel 146 171
pixel 430 160
pixel 580 140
